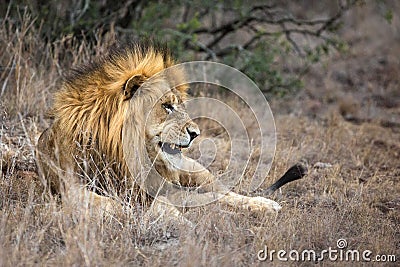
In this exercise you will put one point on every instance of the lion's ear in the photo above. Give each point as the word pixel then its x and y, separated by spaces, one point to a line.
pixel 131 85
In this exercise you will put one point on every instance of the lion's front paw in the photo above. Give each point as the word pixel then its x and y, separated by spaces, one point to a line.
pixel 261 204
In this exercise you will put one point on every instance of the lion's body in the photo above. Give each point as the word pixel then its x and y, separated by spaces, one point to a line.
pixel 96 108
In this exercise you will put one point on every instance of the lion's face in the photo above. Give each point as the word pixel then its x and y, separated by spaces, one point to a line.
pixel 169 129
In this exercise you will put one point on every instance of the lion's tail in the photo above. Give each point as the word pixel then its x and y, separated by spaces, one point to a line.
pixel 294 173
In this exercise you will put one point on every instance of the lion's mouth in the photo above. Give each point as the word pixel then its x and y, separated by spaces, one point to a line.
pixel 170 148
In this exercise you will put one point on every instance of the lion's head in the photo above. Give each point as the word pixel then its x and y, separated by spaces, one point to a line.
pixel 158 114
pixel 168 126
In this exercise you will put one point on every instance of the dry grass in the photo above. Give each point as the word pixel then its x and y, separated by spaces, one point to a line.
pixel 357 198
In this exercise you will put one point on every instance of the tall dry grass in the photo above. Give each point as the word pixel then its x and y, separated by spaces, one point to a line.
pixel 357 198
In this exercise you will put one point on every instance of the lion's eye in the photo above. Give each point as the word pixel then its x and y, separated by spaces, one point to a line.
pixel 168 107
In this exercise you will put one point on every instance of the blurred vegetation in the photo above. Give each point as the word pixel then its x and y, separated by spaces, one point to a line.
pixel 273 42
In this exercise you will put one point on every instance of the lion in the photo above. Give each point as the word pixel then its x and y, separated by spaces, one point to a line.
pixel 118 103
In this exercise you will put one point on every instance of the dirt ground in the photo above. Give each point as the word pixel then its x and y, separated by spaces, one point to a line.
pixel 344 124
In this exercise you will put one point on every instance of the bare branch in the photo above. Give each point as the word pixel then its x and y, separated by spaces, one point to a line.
pixel 264 15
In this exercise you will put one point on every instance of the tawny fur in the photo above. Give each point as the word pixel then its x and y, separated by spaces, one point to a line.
pixel 98 119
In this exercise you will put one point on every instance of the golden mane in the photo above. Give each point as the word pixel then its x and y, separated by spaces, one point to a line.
pixel 90 108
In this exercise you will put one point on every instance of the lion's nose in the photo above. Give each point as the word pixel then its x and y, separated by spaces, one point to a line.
pixel 193 133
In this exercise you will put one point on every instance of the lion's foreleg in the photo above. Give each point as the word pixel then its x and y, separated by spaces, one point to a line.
pixel 194 199
pixel 257 204
pixel 212 190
